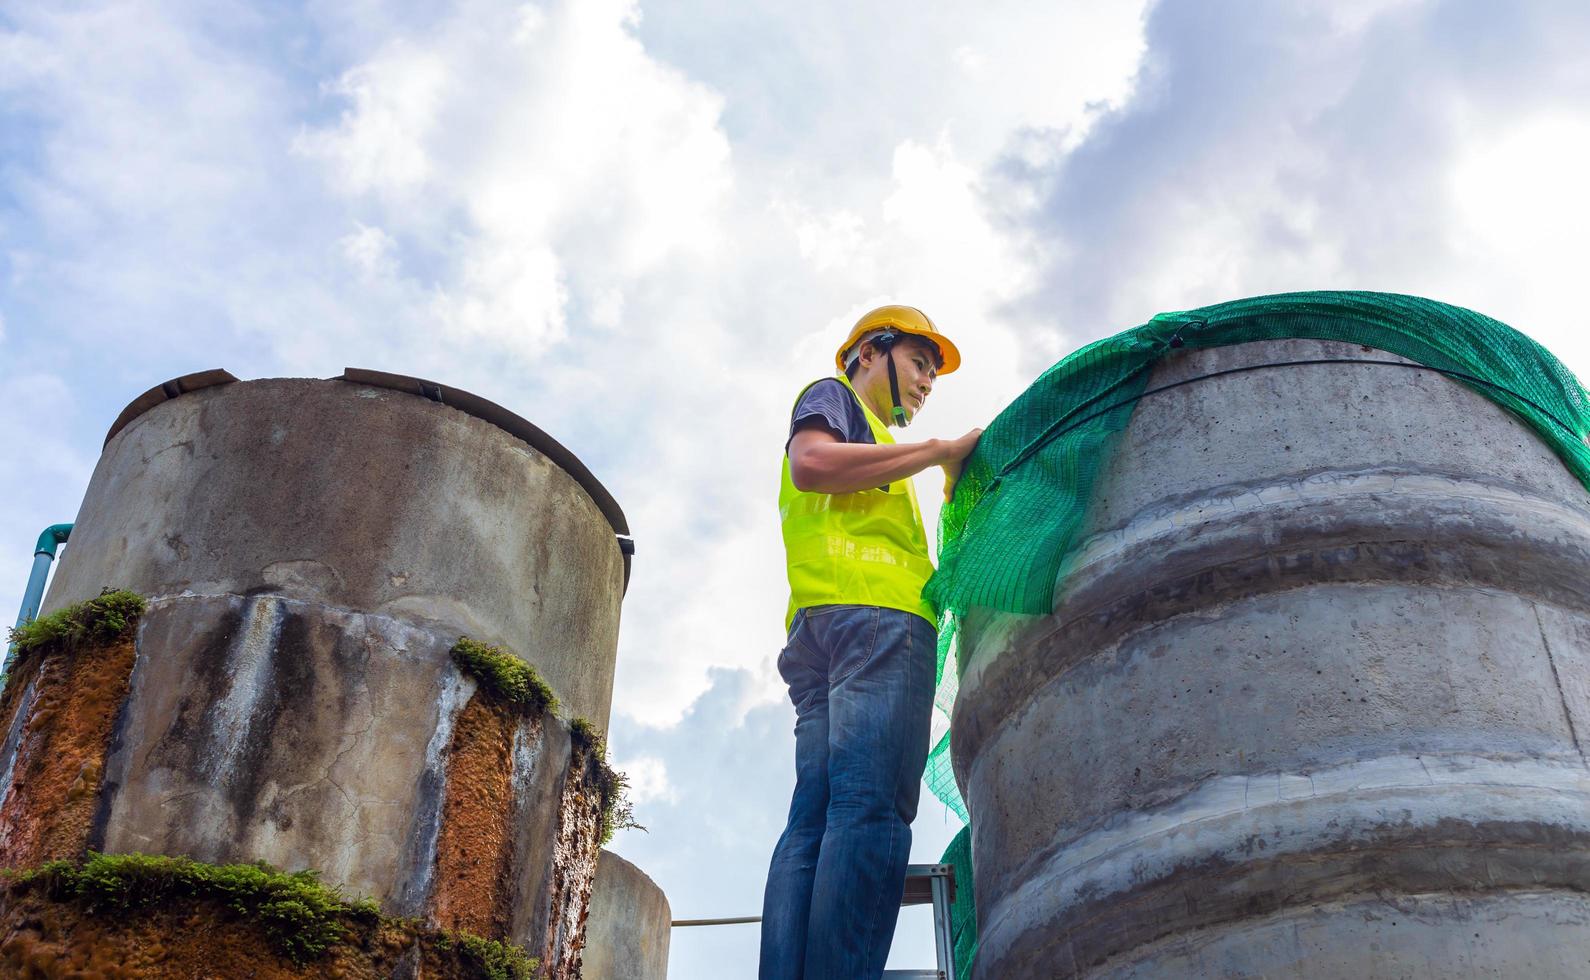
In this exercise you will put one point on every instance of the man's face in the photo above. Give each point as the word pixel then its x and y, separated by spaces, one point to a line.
pixel 916 363
pixel 916 367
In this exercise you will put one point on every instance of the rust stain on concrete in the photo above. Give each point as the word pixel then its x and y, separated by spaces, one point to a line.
pixel 66 700
pixel 474 854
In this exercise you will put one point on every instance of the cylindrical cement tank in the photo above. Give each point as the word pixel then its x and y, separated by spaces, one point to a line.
pixel 626 937
pixel 311 551
pixel 1312 698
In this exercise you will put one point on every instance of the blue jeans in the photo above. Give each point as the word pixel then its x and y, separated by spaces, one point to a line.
pixel 861 679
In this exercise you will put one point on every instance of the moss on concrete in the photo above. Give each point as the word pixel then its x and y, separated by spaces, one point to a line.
pixel 618 813
pixel 504 675
pixel 106 617
pixel 163 911
pixel 586 737
pixel 302 916
pixel 489 958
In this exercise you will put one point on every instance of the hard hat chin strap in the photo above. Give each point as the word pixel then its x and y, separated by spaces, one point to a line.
pixel 894 389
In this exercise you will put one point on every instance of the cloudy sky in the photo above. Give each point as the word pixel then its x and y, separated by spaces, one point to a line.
pixel 644 226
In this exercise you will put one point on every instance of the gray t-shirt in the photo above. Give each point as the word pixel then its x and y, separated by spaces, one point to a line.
pixel 830 405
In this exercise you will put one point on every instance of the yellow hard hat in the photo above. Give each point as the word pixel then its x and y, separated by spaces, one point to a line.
pixel 905 319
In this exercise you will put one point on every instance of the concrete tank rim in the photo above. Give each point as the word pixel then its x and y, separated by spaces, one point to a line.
pixel 165 391
pixel 464 401
pixel 606 854
pixel 619 864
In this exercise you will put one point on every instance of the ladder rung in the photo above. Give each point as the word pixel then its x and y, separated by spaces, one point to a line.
pixel 919 882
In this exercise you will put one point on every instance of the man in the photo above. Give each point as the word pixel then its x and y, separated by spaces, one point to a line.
pixel 861 648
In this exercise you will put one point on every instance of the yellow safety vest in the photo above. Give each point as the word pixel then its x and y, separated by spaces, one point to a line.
pixel 866 548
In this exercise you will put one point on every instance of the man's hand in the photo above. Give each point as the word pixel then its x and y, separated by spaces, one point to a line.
pixel 955 453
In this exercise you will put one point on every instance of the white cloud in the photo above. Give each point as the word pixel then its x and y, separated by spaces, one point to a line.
pixel 38 457
pixel 1524 187
pixel 1522 205
pixel 369 251
pixel 823 92
pixel 648 779
pixel 511 295
pixel 1327 161
pixel 379 145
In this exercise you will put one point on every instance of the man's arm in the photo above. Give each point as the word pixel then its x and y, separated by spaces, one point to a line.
pixel 820 463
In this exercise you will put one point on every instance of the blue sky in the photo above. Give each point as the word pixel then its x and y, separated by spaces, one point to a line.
pixel 644 226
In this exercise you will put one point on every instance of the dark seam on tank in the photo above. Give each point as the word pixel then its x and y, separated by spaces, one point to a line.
pixel 1392 469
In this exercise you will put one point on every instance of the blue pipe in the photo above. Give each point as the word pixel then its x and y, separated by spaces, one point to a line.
pixel 43 553
pixel 51 538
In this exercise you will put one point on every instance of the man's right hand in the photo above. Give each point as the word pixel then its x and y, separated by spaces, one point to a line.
pixel 955 453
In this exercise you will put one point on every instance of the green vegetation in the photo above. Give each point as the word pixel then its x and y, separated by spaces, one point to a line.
pixel 586 737
pixel 104 618
pixel 300 915
pixel 504 675
pixel 489 958
pixel 618 813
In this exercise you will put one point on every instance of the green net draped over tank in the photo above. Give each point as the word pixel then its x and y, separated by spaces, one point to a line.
pixel 1005 537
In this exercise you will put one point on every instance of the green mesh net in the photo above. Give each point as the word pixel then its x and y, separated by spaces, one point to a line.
pixel 1024 492
pixel 963 909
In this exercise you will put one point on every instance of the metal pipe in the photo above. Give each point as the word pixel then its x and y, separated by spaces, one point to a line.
pixel 43 554
pixel 737 920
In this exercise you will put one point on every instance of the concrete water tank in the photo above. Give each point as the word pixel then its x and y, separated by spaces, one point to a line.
pixel 311 551
pixel 626 937
pixel 1312 699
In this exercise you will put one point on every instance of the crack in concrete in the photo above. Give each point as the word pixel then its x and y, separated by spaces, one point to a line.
pixel 1562 694
pixel 166 801
pixel 360 737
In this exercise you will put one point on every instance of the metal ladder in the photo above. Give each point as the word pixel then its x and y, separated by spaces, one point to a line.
pixel 924 884
pixel 935 883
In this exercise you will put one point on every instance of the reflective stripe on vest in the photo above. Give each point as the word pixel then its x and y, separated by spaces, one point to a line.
pixel 866 548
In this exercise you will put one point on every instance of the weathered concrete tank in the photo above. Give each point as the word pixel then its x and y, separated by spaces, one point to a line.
pixel 627 935
pixel 311 551
pixel 1312 698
